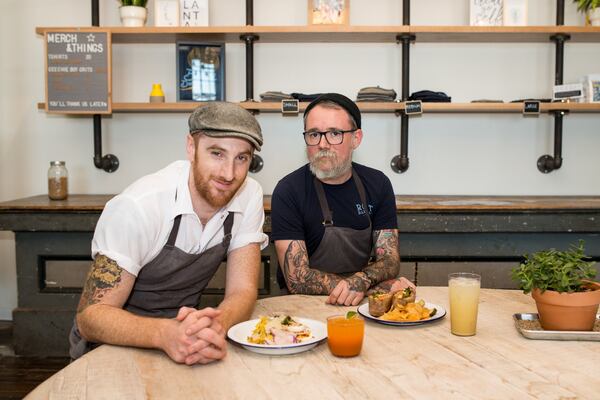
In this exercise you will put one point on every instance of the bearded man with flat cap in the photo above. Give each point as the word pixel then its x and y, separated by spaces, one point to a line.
pixel 159 242
pixel 334 221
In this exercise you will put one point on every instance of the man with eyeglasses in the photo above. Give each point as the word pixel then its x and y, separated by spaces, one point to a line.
pixel 331 215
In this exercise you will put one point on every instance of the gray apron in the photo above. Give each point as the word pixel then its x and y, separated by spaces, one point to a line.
pixel 342 250
pixel 173 279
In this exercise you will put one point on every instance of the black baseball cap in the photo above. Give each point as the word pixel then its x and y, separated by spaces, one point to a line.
pixel 341 101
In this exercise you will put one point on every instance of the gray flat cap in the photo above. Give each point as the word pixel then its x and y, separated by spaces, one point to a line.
pixel 222 119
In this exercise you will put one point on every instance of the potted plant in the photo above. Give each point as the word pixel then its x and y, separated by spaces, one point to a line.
pixel 133 12
pixel 561 284
pixel 591 8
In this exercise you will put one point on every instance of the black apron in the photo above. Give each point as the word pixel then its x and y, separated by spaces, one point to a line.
pixel 173 279
pixel 342 250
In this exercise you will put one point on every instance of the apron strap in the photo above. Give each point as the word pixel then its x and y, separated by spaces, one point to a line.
pixel 227 230
pixel 173 235
pixel 327 214
pixel 362 193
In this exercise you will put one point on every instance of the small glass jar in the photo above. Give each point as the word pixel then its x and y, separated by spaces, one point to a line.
pixel 58 181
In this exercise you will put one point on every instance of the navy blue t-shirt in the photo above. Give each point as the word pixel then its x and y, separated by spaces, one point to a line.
pixel 296 213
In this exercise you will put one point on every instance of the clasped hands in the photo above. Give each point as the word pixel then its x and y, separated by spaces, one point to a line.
pixel 195 337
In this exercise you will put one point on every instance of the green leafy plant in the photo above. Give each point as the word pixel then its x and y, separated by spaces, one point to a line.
pixel 585 5
pixel 138 3
pixel 561 271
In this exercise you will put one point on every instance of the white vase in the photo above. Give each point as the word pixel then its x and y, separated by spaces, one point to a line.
pixel 594 16
pixel 133 15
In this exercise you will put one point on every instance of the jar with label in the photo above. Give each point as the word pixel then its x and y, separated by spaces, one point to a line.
pixel 58 181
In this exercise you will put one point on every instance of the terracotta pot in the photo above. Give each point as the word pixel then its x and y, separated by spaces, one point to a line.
pixel 567 311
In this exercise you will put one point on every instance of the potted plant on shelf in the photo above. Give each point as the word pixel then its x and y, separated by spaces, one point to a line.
pixel 591 8
pixel 561 284
pixel 133 12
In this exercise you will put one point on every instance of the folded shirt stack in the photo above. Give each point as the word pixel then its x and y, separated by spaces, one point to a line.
pixel 427 96
pixel 375 93
pixel 306 97
pixel 272 95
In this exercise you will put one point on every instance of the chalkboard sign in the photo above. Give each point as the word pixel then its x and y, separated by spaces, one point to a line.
pixel 78 73
pixel 531 107
pixel 290 106
pixel 413 107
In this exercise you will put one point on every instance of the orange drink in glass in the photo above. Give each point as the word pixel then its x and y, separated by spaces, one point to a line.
pixel 345 336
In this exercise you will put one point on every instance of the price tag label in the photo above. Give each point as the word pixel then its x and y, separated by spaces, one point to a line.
pixel 531 107
pixel 290 106
pixel 413 107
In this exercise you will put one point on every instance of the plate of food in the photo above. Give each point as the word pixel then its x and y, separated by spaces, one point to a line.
pixel 400 309
pixel 278 334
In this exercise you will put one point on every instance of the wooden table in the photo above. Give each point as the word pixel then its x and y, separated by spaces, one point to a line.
pixel 422 362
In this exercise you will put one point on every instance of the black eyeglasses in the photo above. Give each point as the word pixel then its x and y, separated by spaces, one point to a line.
pixel 334 136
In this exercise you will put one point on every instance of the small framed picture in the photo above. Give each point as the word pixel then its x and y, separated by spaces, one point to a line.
pixel 515 12
pixel 193 12
pixel 591 88
pixel 166 12
pixel 200 71
pixel 328 12
pixel 486 13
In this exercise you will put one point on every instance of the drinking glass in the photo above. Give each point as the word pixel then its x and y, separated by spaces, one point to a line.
pixel 345 336
pixel 463 288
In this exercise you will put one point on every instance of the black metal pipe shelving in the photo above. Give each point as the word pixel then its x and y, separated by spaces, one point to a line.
pixel 400 162
pixel 548 163
pixel 257 163
pixel 109 162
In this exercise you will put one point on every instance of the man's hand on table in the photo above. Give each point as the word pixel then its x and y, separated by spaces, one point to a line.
pixel 349 291
pixel 197 337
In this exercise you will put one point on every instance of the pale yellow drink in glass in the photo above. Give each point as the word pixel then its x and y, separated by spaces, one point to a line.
pixel 464 299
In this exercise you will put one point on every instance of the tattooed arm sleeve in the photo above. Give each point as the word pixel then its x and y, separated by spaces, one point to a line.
pixel 300 278
pixel 387 258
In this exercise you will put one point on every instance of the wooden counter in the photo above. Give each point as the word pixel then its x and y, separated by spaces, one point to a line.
pixel 438 234
pixel 421 362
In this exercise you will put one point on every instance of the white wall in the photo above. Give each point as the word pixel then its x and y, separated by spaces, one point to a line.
pixel 449 154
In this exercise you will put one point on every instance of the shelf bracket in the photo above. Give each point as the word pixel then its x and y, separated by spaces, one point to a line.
pixel 109 162
pixel 400 163
pixel 257 162
pixel 548 163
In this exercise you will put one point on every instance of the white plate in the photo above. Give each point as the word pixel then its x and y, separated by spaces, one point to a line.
pixel 239 333
pixel 441 312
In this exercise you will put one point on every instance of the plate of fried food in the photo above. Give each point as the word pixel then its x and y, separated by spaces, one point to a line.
pixel 278 334
pixel 400 309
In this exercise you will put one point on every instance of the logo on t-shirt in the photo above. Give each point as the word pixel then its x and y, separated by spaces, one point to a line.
pixel 361 211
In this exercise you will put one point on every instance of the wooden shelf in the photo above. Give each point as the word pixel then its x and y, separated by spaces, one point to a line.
pixel 365 107
pixel 344 34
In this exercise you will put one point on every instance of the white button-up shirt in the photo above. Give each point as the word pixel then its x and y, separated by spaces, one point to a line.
pixel 135 225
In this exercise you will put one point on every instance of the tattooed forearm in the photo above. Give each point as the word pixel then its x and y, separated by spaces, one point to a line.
pixel 104 275
pixel 300 278
pixel 387 259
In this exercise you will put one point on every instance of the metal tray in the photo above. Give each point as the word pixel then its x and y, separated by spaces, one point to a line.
pixel 554 335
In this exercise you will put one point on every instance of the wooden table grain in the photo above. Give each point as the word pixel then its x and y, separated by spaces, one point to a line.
pixel 423 362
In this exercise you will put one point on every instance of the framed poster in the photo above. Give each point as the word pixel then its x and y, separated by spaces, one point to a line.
pixel 78 71
pixel 193 12
pixel 486 13
pixel 332 12
pixel 166 12
pixel 200 71
pixel 515 12
pixel 591 88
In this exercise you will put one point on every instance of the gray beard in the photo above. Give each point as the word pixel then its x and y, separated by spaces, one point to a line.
pixel 338 170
